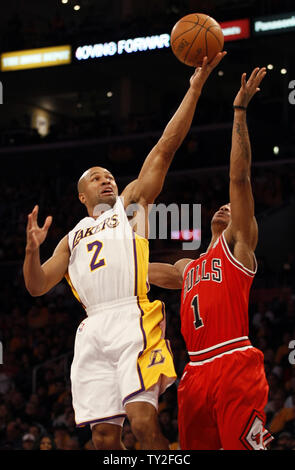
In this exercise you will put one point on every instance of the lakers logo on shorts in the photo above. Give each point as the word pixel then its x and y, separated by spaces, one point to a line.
pixel 156 357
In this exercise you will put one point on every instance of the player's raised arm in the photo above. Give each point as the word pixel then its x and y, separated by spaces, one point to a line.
pixel 168 276
pixel 151 177
pixel 243 227
pixel 40 279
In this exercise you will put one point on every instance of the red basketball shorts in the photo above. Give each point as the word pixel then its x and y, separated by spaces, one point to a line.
pixel 221 403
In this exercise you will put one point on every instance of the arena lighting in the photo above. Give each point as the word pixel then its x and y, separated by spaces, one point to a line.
pixel 276 150
pixel 232 30
pixel 274 24
pixel 283 71
pixel 77 7
pixel 235 30
pixel 186 235
pixel 270 66
pixel 35 58
pixel 128 46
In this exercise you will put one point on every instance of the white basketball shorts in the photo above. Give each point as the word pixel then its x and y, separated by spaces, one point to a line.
pixel 120 352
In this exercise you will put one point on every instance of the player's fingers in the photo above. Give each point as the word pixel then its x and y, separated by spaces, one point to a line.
pixel 29 223
pixel 243 80
pixel 204 62
pixel 261 74
pixel 257 81
pixel 217 58
pixel 35 214
pixel 253 74
pixel 47 223
pixel 34 238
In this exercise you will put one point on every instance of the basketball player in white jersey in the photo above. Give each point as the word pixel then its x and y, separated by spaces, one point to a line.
pixel 122 361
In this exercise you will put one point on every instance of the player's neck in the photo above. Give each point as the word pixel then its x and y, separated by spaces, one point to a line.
pixel 99 209
pixel 215 236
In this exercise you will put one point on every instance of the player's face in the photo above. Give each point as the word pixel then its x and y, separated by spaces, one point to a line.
pixel 222 216
pixel 99 188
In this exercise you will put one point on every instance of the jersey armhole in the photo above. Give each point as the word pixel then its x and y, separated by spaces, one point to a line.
pixel 234 261
pixel 186 267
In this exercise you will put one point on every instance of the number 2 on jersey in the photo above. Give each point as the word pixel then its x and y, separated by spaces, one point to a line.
pixel 198 322
pixel 97 245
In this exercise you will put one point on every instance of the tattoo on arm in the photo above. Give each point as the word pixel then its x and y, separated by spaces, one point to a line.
pixel 243 141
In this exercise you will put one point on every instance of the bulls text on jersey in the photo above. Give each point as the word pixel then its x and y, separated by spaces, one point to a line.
pixel 203 272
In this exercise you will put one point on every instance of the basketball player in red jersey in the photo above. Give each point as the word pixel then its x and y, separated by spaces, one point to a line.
pixel 223 390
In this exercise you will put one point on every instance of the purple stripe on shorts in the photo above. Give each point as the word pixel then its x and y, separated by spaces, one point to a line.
pixel 92 421
pixel 141 327
pixel 135 263
pixel 137 391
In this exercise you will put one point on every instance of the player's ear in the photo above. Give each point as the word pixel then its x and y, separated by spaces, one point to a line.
pixel 82 198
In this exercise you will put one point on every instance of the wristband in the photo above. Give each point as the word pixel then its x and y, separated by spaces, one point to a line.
pixel 240 107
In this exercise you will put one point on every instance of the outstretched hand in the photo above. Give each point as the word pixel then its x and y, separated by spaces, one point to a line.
pixel 250 87
pixel 201 74
pixel 35 234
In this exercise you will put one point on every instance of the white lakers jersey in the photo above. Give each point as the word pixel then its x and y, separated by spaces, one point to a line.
pixel 108 260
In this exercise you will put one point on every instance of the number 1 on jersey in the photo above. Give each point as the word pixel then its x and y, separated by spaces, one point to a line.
pixel 198 322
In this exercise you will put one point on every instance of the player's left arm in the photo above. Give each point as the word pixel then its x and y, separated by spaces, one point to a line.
pixel 152 175
pixel 242 232
pixel 168 276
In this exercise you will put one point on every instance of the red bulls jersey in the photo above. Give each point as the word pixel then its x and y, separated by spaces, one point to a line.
pixel 214 303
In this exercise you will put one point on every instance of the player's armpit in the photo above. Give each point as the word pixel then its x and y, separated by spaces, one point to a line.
pixel 164 275
pixel 242 243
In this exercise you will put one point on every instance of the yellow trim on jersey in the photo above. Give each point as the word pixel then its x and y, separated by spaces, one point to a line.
pixel 141 260
pixel 73 289
pixel 156 358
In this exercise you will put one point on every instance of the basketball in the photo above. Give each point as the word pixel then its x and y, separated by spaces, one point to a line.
pixel 195 36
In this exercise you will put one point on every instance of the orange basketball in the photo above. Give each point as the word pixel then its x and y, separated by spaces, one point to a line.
pixel 195 36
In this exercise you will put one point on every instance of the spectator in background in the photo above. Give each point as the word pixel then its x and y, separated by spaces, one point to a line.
pixel 165 420
pixel 61 436
pixel 36 431
pixel 38 316
pixel 281 415
pixel 46 443
pixel 128 438
pixel 12 439
pixel 284 441
pixel 28 441
pixel 283 350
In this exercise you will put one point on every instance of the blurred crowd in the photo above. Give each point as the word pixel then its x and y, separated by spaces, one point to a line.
pixel 52 184
pixel 38 336
pixel 38 333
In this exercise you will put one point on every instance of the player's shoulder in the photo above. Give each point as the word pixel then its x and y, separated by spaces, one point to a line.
pixel 183 264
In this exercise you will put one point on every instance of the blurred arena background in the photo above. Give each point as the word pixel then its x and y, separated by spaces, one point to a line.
pixel 60 119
